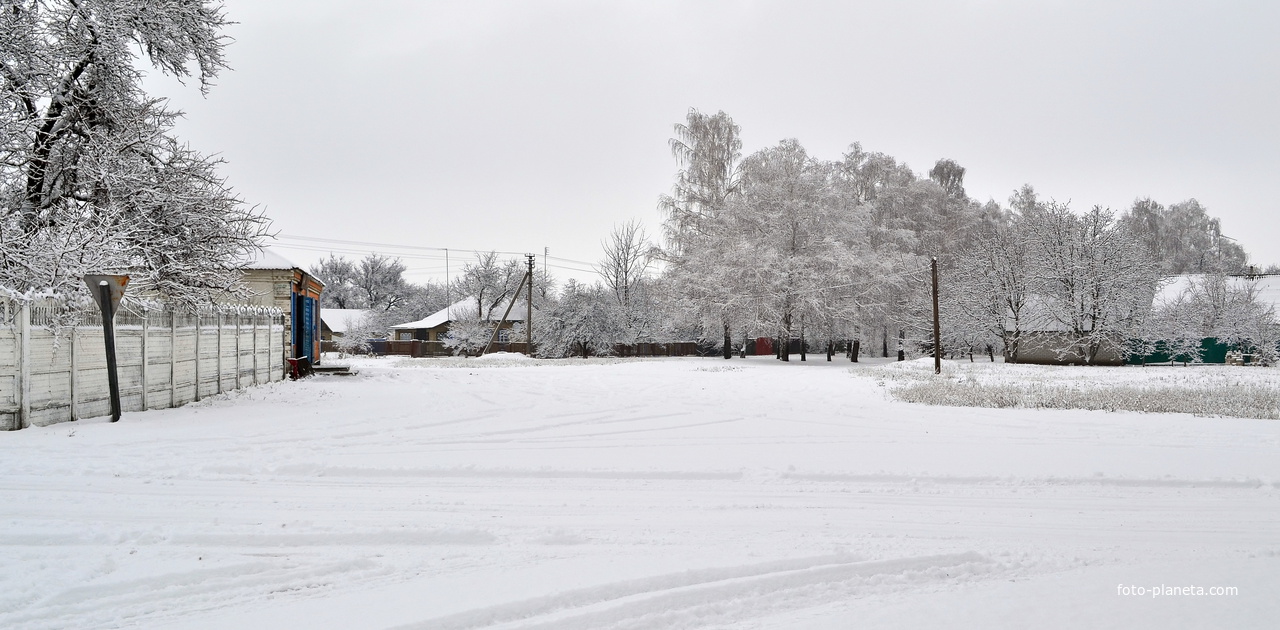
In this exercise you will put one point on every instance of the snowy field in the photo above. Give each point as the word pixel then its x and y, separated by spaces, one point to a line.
pixel 677 493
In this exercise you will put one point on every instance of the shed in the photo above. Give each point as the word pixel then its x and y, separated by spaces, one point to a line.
pixel 276 281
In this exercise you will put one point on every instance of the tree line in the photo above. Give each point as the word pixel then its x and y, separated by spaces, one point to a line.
pixel 782 244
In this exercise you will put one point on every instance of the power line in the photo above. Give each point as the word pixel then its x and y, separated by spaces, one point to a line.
pixel 316 239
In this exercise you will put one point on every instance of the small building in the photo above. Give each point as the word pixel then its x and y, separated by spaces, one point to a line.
pixel 334 322
pixel 1266 289
pixel 276 281
pixel 436 325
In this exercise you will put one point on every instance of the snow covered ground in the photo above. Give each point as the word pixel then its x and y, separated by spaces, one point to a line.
pixel 678 493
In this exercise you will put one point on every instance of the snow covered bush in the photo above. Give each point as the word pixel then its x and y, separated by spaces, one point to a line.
pixel 468 334
pixel 358 333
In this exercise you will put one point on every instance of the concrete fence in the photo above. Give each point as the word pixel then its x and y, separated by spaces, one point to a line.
pixel 53 365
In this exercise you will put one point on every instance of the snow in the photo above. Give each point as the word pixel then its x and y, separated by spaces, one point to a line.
pixel 267 258
pixel 508 492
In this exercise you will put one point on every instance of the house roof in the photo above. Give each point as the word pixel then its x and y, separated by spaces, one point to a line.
pixel 465 308
pixel 338 319
pixel 265 258
pixel 1267 286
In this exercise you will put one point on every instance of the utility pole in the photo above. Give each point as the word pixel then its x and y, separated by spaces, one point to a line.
pixel 448 299
pixel 937 327
pixel 528 320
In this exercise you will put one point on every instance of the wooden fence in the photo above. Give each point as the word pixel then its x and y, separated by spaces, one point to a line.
pixel 53 361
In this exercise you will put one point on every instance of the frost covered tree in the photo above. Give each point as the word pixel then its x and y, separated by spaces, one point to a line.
pixel 581 321
pixel 987 291
pixel 468 332
pixel 359 330
pixel 1184 238
pixel 490 281
pixel 795 233
pixel 339 277
pixel 1095 277
pixel 950 176
pixel 380 281
pixel 708 149
pixel 628 257
pixel 91 175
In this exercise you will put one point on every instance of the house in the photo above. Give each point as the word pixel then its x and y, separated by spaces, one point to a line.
pixel 1266 289
pixel 1044 340
pixel 335 321
pixel 436 325
pixel 276 281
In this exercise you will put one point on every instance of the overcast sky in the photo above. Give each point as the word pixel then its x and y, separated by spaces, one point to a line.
pixel 528 125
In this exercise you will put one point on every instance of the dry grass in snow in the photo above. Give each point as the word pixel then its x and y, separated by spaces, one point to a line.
pixel 1239 392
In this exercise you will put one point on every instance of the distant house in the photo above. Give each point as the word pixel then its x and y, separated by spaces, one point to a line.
pixel 435 326
pixel 1042 339
pixel 1266 286
pixel 276 281
pixel 334 321
pixel 1046 341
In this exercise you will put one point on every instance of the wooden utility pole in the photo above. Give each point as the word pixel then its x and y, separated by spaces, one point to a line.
pixel 505 314
pixel 528 319
pixel 937 327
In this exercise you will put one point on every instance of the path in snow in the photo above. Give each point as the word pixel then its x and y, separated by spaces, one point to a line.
pixel 645 494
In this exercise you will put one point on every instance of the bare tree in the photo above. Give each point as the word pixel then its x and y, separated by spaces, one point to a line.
pixel 628 256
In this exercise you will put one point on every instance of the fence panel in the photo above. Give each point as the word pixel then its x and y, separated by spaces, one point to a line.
pixel 53 359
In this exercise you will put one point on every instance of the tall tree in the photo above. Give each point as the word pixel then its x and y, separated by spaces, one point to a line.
pixel 340 286
pixel 380 280
pixel 628 256
pixel 708 149
pixel 1184 238
pixel 950 175
pixel 91 176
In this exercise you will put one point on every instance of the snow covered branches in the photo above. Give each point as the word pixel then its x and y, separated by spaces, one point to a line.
pixel 1082 283
pixel 91 177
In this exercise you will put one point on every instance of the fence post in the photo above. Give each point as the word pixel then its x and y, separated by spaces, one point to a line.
pixel 197 394
pixel 173 357
pixel 146 327
pixel 255 346
pixel 219 353
pixel 75 371
pixel 238 316
pixel 24 366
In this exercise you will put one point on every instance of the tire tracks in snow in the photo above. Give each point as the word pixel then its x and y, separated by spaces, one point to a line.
pixel 705 596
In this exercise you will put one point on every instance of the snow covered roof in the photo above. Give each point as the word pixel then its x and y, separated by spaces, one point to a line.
pixel 265 258
pixel 465 308
pixel 1267 286
pixel 337 319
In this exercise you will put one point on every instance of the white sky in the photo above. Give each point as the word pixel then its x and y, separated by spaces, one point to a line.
pixel 518 126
